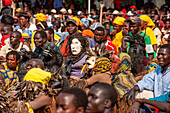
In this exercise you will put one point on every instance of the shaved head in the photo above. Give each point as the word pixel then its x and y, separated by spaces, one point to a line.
pixel 35 63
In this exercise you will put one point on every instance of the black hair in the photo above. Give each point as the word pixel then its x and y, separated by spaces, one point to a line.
pixel 50 30
pixel 82 39
pixel 166 46
pixel 9 27
pixel 7 11
pixel 14 53
pixel 24 14
pixel 43 23
pixel 7 20
pixel 58 25
pixel 18 34
pixel 80 97
pixel 109 92
pixel 42 34
pixel 100 29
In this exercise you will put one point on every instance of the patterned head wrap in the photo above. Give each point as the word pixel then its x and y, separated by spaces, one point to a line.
pixel 102 65
pixel 125 63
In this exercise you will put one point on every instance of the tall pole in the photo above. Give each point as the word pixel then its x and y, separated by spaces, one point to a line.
pixel 89 6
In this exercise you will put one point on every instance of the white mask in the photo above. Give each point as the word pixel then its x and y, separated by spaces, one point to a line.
pixel 91 62
pixel 76 46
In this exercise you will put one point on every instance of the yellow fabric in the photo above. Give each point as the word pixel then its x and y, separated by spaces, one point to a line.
pixel 24 34
pixel 30 110
pixel 151 34
pixel 32 40
pixel 77 20
pixel 56 37
pixel 41 17
pixel 119 20
pixel 117 40
pixel 148 20
pixel 38 75
pixel 6 67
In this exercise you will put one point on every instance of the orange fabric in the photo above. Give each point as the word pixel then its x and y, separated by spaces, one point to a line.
pixel 88 33
pixel 63 49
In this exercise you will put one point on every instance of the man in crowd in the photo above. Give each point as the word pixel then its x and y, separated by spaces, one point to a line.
pixel 15 44
pixel 41 43
pixel 101 98
pixel 159 79
pixel 72 100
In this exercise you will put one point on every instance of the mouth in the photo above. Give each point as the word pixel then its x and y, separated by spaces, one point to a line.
pixel 74 51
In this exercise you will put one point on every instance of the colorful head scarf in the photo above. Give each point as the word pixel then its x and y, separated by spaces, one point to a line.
pixel 124 63
pixel 124 79
pixel 102 65
pixel 119 20
pixel 148 20
pixel 38 75
pixel 19 10
pixel 77 20
pixel 41 17
pixel 133 7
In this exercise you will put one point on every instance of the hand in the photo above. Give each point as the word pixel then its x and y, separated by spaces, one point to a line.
pixel 135 107
pixel 124 32
pixel 130 94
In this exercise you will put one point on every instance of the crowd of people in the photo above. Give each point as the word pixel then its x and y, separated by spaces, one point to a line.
pixel 60 62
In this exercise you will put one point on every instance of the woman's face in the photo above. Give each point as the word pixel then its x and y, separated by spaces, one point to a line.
pixel 76 46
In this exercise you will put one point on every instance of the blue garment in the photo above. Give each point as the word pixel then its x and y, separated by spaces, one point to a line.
pixel 162 98
pixel 156 81
pixel 58 4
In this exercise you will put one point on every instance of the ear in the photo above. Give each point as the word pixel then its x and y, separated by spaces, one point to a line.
pixel 80 110
pixel 44 40
pixel 107 103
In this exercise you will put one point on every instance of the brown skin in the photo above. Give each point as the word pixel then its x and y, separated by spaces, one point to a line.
pixel 72 28
pixel 14 40
pixel 163 59
pixel 5 30
pixel 97 103
pixel 23 22
pixel 35 63
pixel 39 41
pixel 11 62
pixel 65 104
pixel 163 106
pixel 98 35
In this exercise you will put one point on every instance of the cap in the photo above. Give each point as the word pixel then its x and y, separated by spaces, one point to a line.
pixel 53 11
pixel 72 21
pixel 95 25
pixel 135 20
pixel 133 7
pixel 85 22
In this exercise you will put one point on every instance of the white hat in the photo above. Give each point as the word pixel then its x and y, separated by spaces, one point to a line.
pixel 53 11
pixel 63 10
pixel 69 11
pixel 115 12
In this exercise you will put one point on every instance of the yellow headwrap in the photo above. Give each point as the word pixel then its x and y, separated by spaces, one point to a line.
pixel 41 17
pixel 77 20
pixel 38 75
pixel 119 20
pixel 148 20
